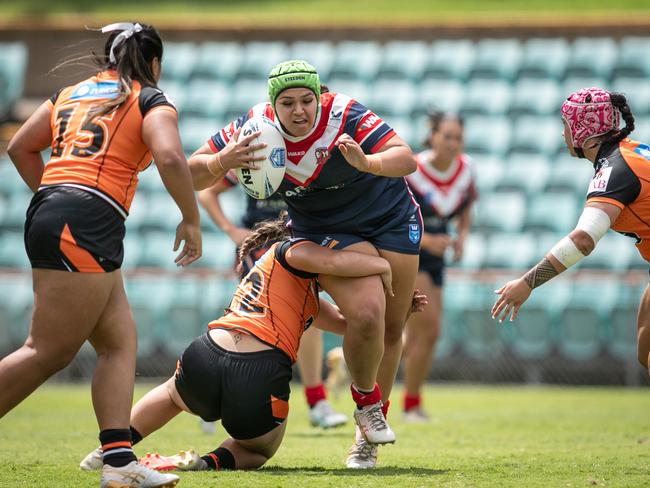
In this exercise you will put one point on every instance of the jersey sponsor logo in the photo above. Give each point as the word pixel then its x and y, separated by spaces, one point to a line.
pixel 296 153
pixel 336 115
pixel 322 155
pixel 329 242
pixel 100 89
pixel 600 181
pixel 298 191
pixel 643 150
pixel 277 157
pixel 414 233
pixel 369 122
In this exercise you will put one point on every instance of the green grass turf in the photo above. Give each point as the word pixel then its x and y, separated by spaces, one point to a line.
pixel 318 11
pixel 479 436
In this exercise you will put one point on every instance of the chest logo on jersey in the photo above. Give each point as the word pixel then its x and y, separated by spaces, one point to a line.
pixel 322 155
pixel 643 151
pixel 101 89
pixel 601 179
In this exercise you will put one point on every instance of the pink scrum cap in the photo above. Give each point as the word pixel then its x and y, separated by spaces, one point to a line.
pixel 589 113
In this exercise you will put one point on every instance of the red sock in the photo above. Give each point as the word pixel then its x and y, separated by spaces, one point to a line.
pixel 363 399
pixel 315 394
pixel 384 408
pixel 411 402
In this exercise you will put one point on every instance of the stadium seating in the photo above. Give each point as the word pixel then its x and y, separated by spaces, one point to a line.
pixel 13 64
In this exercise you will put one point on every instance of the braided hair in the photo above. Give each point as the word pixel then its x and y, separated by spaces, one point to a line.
pixel 620 102
pixel 264 232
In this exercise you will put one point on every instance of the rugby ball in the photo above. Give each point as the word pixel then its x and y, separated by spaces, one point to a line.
pixel 263 182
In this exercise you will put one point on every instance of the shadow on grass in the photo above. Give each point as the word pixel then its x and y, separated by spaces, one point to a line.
pixel 324 434
pixel 385 471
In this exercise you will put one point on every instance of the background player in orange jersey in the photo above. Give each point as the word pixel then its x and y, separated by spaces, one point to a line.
pixel 239 371
pixel 618 197
pixel 102 131
pixel 310 353
pixel 443 185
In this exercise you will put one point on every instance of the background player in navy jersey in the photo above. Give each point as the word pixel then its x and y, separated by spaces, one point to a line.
pixel 310 352
pixel 444 187
pixel 344 188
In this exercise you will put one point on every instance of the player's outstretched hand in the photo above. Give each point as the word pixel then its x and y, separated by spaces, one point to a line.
pixel 192 249
pixel 512 295
pixel 420 300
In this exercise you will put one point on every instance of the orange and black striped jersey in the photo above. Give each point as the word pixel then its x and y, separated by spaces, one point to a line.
pixel 623 179
pixel 274 302
pixel 102 155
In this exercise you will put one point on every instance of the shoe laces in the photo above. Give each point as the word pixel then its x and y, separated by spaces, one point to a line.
pixel 376 417
pixel 363 450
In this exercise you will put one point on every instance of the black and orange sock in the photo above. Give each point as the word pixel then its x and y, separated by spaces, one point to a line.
pixel 116 447
pixel 220 458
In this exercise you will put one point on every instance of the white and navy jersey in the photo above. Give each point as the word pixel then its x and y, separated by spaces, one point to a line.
pixel 321 189
pixel 442 195
pixel 258 210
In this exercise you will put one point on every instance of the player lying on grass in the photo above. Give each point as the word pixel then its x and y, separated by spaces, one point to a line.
pixel 618 198
pixel 240 370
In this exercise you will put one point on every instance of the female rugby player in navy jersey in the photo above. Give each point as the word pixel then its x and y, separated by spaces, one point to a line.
pixel 344 188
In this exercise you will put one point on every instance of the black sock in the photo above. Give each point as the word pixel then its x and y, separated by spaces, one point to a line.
pixel 220 458
pixel 135 436
pixel 116 447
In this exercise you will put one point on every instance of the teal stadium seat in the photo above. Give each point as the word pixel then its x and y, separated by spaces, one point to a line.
pixel 582 329
pixel 570 174
pixel 218 61
pixel 404 60
pixel 488 171
pixel 244 95
pixel 486 97
pixel 440 94
pixel 260 57
pixel 593 57
pixel 537 135
pixel 133 249
pixel 12 250
pixel 525 173
pixel 576 82
pixel 473 253
pixel 356 89
pixel 320 54
pixel 632 55
pixel 16 210
pixel 450 59
pixel 393 97
pixel 16 300
pixel 637 93
pixel 149 298
pixel 502 212
pixel 178 61
pixel 13 64
pixel 149 180
pixel 533 335
pixel 487 135
pixel 206 98
pixel 216 295
pixel 641 128
pixel 357 60
pixel 613 252
pixel 218 253
pixel 621 334
pixel 157 250
pixel 233 204
pixel 536 97
pixel 509 250
pixel 176 91
pixel 195 131
pixel 496 58
pixel 552 212
pixel 404 127
pixel 162 213
pixel 544 58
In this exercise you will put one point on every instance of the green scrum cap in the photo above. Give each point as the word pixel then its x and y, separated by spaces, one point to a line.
pixel 293 74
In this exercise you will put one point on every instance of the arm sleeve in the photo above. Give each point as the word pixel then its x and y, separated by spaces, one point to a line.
pixel 219 140
pixel 367 128
pixel 615 183
pixel 151 98
pixel 281 255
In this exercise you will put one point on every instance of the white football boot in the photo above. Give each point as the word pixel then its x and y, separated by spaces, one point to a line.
pixel 135 475
pixel 93 461
pixel 362 454
pixel 323 415
pixel 372 423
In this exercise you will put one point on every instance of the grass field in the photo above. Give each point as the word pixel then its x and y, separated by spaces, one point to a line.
pixel 479 436
pixel 360 12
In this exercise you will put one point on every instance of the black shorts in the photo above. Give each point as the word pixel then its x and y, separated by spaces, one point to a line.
pixel 249 392
pixel 434 266
pixel 73 230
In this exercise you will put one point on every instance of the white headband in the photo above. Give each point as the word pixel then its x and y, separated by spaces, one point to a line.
pixel 127 28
